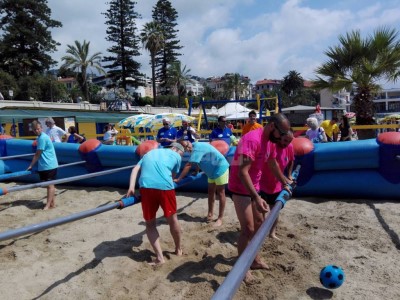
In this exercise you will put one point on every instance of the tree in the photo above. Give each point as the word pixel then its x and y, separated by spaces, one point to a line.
pixel 292 83
pixel 177 78
pixel 152 37
pixel 165 15
pixel 121 31
pixel 236 85
pixel 26 38
pixel 361 63
pixel 78 60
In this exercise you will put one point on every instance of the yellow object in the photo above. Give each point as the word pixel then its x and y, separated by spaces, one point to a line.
pixel 199 120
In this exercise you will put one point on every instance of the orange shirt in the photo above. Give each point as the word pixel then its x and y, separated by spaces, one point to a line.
pixel 249 127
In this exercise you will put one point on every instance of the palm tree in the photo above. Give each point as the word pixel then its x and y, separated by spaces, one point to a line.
pixel 79 61
pixel 292 83
pixel 153 38
pixel 362 64
pixel 236 84
pixel 178 77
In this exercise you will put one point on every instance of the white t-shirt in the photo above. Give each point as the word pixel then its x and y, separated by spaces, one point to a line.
pixel 316 136
pixel 55 133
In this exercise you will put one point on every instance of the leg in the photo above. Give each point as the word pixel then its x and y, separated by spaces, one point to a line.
pixel 272 234
pixel 244 213
pixel 211 200
pixel 175 230
pixel 222 202
pixel 154 238
pixel 51 190
pixel 258 220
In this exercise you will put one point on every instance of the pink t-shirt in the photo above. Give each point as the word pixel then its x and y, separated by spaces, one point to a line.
pixel 253 145
pixel 269 183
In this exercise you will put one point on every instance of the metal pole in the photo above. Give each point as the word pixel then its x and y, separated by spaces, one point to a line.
pixel 63 180
pixel 63 220
pixel 16 156
pixel 235 277
pixel 25 173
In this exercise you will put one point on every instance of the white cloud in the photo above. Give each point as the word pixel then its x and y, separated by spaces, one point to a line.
pixel 253 37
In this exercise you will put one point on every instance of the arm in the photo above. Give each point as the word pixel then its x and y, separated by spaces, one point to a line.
pixel 248 184
pixel 194 133
pixel 184 172
pixel 276 171
pixel 35 159
pixel 79 137
pixel 290 170
pixel 132 181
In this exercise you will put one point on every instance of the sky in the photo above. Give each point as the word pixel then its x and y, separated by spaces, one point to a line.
pixel 261 39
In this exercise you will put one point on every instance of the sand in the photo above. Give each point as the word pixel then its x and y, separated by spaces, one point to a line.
pixel 106 256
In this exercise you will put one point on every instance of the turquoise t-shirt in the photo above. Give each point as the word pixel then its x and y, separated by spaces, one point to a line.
pixel 48 158
pixel 210 160
pixel 156 168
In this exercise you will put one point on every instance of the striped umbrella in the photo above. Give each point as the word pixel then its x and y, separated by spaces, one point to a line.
pixel 134 121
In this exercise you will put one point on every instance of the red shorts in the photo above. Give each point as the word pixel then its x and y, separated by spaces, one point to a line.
pixel 152 199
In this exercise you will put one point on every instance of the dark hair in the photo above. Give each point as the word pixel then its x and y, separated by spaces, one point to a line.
pixel 72 129
pixel 220 118
pixel 335 119
pixel 252 113
pixel 345 122
pixel 278 119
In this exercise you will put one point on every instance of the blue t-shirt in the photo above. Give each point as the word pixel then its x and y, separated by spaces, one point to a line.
pixel 187 137
pixel 156 168
pixel 48 158
pixel 169 133
pixel 221 134
pixel 210 160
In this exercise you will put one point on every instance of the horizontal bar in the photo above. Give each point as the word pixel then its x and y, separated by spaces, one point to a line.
pixel 16 156
pixel 67 219
pixel 63 180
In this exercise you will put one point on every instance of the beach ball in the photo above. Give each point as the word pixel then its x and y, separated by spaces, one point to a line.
pixel 331 277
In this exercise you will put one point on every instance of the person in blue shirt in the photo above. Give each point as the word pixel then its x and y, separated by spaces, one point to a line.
pixel 187 133
pixel 46 158
pixel 167 134
pixel 221 132
pixel 157 168
pixel 216 167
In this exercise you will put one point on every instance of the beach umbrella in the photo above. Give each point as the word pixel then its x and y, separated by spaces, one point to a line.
pixel 133 121
pixel 156 123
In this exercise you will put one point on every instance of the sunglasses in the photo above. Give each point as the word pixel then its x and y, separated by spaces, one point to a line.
pixel 281 132
pixel 165 124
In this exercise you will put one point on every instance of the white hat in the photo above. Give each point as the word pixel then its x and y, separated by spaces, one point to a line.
pixel 167 120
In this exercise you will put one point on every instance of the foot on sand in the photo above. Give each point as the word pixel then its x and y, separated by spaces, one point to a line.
pixel 250 279
pixel 156 262
pixel 275 237
pixel 217 223
pixel 260 265
pixel 179 252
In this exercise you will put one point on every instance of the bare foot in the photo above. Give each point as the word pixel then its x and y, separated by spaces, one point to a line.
pixel 274 236
pixel 46 207
pixel 179 252
pixel 250 279
pixel 217 223
pixel 260 265
pixel 209 218
pixel 156 262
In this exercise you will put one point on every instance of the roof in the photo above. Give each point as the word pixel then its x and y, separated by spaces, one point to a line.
pixel 81 116
pixel 308 108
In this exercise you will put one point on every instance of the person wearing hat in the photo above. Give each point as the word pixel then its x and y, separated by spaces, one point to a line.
pixel 187 133
pixel 167 134
pixel 55 133
pixel 157 168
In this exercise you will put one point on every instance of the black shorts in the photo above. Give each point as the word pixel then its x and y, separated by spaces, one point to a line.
pixel 269 198
pixel 48 175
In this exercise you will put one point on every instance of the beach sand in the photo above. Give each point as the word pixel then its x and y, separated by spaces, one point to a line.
pixel 105 256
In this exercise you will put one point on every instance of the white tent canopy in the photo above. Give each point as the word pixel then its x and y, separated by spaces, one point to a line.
pixel 244 115
pixel 232 108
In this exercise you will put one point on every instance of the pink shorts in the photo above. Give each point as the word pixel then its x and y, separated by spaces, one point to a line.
pixel 152 199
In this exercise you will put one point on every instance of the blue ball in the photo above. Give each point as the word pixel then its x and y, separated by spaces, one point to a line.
pixel 331 277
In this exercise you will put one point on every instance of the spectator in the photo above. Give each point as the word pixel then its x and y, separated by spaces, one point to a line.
pixel 46 158
pixel 315 133
pixel 331 129
pixel 251 124
pixel 167 134
pixel 55 133
pixel 3 129
pixel 109 135
pixel 187 133
pixel 73 136
pixel 345 130
pixel 221 132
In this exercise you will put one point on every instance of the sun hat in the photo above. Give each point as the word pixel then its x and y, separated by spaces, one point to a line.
pixel 176 145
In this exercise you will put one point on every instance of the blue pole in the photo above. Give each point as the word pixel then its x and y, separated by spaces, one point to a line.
pixel 125 202
pixel 4 191
pixel 16 156
pixel 228 288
